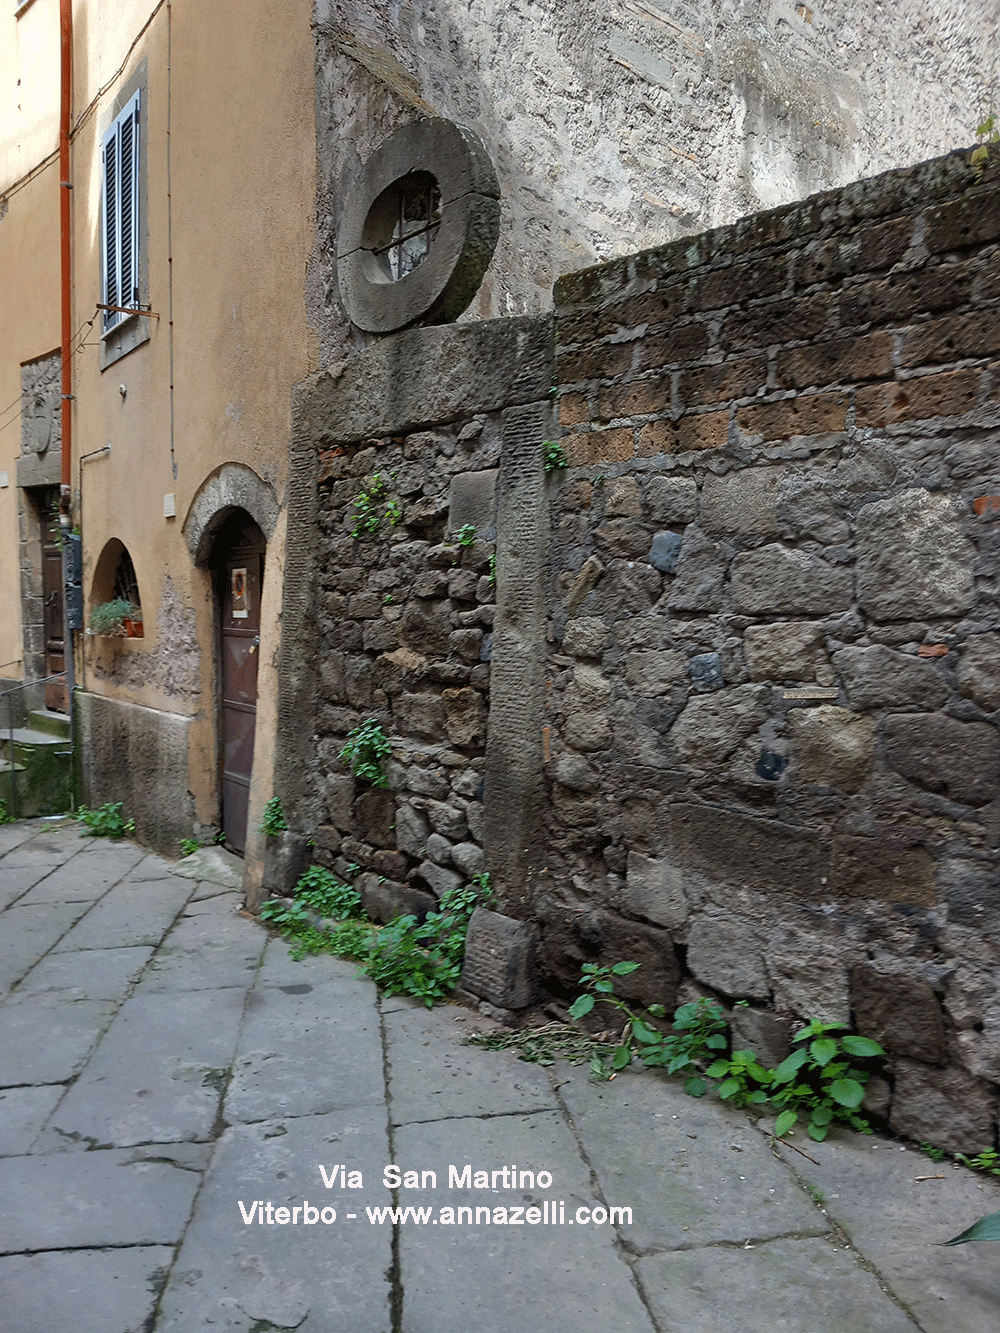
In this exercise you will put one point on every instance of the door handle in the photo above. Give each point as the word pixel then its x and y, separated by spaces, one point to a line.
pixel 255 645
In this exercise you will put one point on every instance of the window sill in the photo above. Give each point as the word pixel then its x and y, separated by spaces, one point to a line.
pixel 125 337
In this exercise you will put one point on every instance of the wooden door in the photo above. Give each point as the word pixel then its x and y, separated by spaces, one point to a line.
pixel 56 695
pixel 240 575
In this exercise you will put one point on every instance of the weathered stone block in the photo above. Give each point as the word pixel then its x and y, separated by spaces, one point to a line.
pixel 945 1107
pixel 777 580
pixel 901 1012
pixel 762 853
pixel 446 820
pixel 706 672
pixel 972 891
pixel 653 673
pixel 664 551
pixel 427 782
pixel 500 962
pixel 913 558
pixel 466 716
pixel 384 899
pixel 468 858
pixel 726 955
pixel 831 746
pixel 389 864
pixel 878 677
pixel 374 816
pixel 653 889
pixel 808 975
pixel 573 771
pixel 466 644
pixel 672 499
pixel 437 877
pixel 625 537
pixel 412 830
pixel 886 868
pixel 743 503
pixel 462 584
pixel 421 715
pixel 764 1033
pixel 623 498
pixel 338 793
pixel 286 860
pixel 585 637
pixel 712 725
pixel 785 650
pixel 979 671
pixel 961 760
pixel 701 569
pixel 472 499
pixel 426 627
pixel 439 849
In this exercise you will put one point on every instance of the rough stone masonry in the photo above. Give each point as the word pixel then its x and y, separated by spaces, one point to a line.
pixel 731 706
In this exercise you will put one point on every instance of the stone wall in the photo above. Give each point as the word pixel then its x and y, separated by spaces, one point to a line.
pixel 744 685
pixel 775 625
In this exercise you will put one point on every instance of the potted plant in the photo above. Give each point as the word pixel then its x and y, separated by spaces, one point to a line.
pixel 117 619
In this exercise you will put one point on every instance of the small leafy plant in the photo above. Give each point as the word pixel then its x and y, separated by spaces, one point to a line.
pixel 394 513
pixel 189 846
pixel 5 816
pixel 326 895
pixel 553 456
pixel 466 535
pixel 109 618
pixel 106 821
pixel 273 822
pixel 819 1079
pixel 699 1029
pixel 988 1162
pixel 988 132
pixel 367 746
pixel 743 1079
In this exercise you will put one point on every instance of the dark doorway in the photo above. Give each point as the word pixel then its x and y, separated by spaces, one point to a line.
pixel 53 628
pixel 238 564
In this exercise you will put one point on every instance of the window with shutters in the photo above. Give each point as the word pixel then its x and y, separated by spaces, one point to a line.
pixel 121 215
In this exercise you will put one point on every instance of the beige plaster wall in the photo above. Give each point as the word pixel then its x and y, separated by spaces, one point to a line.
pixel 29 88
pixel 29 328
pixel 230 214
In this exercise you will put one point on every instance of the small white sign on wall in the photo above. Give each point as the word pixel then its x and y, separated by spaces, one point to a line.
pixel 239 586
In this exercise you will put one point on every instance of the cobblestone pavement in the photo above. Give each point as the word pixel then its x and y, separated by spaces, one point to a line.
pixel 194 1131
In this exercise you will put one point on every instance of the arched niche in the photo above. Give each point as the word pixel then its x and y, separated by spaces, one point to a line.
pixel 231 488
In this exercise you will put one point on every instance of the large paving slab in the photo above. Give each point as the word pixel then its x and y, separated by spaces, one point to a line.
pixel 84 879
pixel 781 1286
pixel 88 1291
pixel 15 881
pixel 28 933
pixel 898 1223
pixel 314 1278
pixel 96 974
pixel 432 1077
pixel 514 1274
pixel 128 916
pixel 306 1048
pixel 694 1172
pixel 207 950
pixel 158 1074
pixel 47 1038
pixel 64 1201
pixel 23 1112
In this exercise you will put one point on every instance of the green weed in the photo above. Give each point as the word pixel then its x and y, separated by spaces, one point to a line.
pixel 553 456
pixel 106 821
pixel 367 746
pixel 274 821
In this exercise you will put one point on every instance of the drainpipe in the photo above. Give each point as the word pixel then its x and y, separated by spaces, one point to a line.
pixel 65 185
pixel 66 415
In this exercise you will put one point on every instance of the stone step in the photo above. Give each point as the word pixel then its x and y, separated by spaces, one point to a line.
pixel 37 739
pixel 45 719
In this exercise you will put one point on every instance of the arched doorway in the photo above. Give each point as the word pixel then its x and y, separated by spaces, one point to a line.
pixel 237 564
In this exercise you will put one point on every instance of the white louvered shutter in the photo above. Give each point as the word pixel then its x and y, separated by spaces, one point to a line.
pixel 121 214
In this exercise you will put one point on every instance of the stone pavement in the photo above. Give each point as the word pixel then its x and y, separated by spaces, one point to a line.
pixel 166 1071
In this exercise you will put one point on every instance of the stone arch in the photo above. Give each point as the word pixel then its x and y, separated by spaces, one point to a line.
pixel 230 487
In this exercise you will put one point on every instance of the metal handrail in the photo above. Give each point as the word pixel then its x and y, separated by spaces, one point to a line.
pixel 4 694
